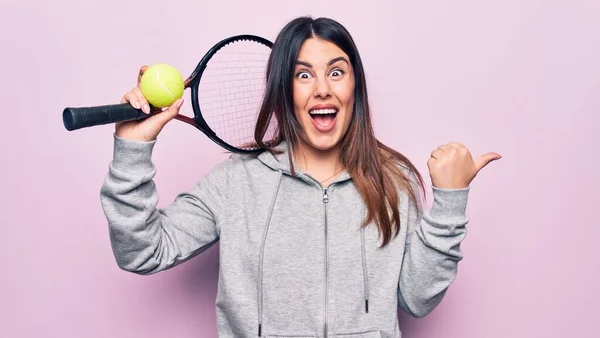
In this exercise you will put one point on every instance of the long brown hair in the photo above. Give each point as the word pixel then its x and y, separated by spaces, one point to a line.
pixel 374 167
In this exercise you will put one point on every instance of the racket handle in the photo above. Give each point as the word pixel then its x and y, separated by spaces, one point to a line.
pixel 77 118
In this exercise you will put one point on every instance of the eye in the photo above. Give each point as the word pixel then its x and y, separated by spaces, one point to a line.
pixel 337 72
pixel 303 75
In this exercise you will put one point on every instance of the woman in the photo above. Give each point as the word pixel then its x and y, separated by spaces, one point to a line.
pixel 320 236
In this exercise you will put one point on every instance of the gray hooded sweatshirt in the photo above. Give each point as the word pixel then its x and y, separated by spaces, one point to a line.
pixel 294 260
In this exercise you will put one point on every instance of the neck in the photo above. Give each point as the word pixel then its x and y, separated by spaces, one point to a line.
pixel 322 165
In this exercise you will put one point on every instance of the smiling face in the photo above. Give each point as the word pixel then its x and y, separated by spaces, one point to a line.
pixel 323 88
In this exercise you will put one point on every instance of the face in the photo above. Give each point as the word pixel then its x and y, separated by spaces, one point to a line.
pixel 323 87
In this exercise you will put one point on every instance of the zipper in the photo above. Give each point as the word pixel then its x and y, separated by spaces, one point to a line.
pixel 325 201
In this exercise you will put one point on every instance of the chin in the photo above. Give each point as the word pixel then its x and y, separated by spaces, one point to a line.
pixel 322 143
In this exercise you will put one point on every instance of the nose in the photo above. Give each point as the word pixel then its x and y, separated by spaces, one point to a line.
pixel 321 88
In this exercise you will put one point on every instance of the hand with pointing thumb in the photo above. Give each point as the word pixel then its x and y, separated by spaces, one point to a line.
pixel 451 166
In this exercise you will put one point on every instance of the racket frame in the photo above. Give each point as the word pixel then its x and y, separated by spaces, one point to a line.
pixel 193 82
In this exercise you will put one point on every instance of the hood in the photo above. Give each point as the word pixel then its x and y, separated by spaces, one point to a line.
pixel 280 162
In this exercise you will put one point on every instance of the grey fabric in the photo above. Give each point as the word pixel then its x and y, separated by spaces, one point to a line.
pixel 292 262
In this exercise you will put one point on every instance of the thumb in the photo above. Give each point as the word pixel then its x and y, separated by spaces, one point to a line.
pixel 485 159
pixel 169 113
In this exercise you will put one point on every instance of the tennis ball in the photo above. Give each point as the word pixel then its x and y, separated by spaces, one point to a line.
pixel 162 85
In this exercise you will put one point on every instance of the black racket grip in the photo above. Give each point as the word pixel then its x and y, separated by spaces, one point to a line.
pixel 77 118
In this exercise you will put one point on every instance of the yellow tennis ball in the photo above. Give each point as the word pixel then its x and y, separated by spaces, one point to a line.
pixel 162 85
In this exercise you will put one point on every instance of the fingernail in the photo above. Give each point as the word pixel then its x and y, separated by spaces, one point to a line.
pixel 146 109
pixel 136 105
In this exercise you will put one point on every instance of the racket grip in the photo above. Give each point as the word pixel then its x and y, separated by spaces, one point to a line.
pixel 77 118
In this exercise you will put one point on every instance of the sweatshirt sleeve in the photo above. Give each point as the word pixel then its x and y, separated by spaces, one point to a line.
pixel 144 239
pixel 432 250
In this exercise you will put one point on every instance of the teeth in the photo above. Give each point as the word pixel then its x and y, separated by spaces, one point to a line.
pixel 323 111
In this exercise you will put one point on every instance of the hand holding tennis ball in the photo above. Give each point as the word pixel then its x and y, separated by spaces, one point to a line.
pixel 159 86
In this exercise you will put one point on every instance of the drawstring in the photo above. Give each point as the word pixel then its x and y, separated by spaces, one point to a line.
pixel 364 263
pixel 262 251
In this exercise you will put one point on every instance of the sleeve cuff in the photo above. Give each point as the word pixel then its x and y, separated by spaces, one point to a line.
pixel 449 203
pixel 132 154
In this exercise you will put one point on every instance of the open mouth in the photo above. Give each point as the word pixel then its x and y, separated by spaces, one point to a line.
pixel 323 117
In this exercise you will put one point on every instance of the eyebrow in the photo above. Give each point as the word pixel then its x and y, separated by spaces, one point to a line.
pixel 332 61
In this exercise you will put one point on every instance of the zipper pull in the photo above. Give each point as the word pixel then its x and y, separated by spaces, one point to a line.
pixel 325 197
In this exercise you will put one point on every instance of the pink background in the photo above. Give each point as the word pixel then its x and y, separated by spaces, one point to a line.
pixel 520 77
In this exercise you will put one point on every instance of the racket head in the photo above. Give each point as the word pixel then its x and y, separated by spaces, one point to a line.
pixel 227 91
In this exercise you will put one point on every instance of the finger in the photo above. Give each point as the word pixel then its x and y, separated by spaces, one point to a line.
pixel 456 145
pixel 131 98
pixel 444 147
pixel 485 159
pixel 456 148
pixel 430 162
pixel 143 102
pixel 436 154
pixel 141 72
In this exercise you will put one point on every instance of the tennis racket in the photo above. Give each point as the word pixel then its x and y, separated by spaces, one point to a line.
pixel 227 91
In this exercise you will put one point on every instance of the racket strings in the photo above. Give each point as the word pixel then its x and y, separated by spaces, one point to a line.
pixel 231 91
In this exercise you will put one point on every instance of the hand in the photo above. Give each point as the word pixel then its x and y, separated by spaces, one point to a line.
pixel 149 128
pixel 452 167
